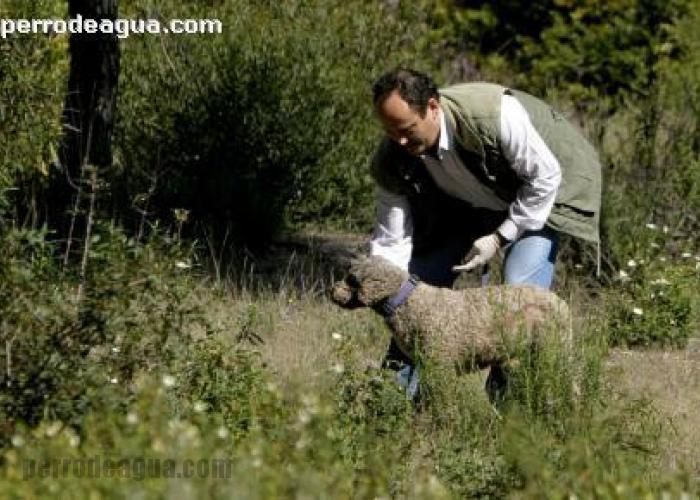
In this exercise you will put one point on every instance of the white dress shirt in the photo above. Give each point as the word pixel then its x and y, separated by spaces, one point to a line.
pixel 529 157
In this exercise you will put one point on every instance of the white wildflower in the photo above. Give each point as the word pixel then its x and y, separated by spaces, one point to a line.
pixel 182 265
pixel 222 432
pixel 651 225
pixel 654 245
pixel 301 444
pixel 578 266
pixel 168 380
pixel 623 275
pixel 436 488
pixel 304 417
pixel 114 380
pixel 310 401
pixel 336 336
pixel 132 418
pixel 200 407
pixel 665 229
pixel 686 255
pixel 662 259
pixel 661 281
pixel 257 462
pixel 638 311
pixel 631 263
pixel 115 349
pixel 158 446
pixel 176 425
pixel 53 429
pixel 338 368
pixel 191 434
pixel 73 438
pixel 17 441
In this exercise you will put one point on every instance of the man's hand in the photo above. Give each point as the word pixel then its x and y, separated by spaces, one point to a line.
pixel 481 252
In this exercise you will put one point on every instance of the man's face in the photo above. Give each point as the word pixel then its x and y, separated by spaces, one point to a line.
pixel 413 132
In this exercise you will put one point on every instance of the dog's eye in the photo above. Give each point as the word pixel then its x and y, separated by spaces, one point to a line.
pixel 352 281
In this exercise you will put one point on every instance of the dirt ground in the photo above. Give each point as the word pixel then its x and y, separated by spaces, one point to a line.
pixel 671 379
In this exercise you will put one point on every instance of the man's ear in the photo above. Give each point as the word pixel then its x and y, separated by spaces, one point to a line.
pixel 433 107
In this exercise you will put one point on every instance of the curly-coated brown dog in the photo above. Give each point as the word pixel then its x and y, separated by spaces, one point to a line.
pixel 471 328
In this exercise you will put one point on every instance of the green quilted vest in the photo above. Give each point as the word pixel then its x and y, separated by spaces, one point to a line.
pixel 474 110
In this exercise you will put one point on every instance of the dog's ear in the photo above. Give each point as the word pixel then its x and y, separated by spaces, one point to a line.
pixel 363 267
pixel 358 263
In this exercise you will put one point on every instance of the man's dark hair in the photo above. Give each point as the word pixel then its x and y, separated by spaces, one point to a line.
pixel 414 87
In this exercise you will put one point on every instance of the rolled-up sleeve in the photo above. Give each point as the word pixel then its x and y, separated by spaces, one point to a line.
pixel 393 232
pixel 534 163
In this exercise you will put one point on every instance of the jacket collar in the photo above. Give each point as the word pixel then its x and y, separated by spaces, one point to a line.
pixel 463 132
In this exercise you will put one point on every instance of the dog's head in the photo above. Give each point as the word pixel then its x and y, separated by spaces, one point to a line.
pixel 369 282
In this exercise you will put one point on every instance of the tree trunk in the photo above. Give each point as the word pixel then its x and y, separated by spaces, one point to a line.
pixel 88 114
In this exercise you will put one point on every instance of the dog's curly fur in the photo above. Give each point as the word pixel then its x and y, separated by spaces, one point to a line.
pixel 471 328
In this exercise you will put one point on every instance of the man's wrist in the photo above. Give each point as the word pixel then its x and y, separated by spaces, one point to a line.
pixel 502 240
pixel 508 230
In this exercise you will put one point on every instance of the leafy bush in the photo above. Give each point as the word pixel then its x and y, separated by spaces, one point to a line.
pixel 33 72
pixel 652 196
pixel 587 50
pixel 654 301
pixel 595 51
pixel 650 151
pixel 268 124
pixel 64 354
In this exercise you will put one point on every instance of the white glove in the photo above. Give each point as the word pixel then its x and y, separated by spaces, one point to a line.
pixel 481 252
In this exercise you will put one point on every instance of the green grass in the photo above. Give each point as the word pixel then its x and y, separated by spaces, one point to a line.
pixel 262 371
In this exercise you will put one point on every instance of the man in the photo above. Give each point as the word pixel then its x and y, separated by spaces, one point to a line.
pixel 469 169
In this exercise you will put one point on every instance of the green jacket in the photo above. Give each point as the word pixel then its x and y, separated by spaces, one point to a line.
pixel 474 110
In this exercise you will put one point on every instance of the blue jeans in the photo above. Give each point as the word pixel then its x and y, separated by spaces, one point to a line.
pixel 529 260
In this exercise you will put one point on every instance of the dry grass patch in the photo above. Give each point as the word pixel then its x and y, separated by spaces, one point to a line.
pixel 671 379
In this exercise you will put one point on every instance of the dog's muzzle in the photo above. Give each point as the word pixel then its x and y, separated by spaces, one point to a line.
pixel 345 295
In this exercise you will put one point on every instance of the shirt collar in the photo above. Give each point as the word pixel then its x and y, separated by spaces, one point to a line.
pixel 444 141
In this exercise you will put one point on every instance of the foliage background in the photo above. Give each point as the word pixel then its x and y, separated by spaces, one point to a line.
pixel 271 126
